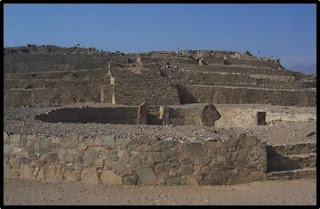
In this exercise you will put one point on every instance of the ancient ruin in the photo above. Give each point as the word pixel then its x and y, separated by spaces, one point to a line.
pixel 158 118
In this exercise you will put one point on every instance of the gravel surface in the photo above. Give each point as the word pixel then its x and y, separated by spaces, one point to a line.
pixel 291 192
pixel 21 120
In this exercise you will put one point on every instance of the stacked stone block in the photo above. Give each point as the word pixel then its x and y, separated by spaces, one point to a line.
pixel 144 161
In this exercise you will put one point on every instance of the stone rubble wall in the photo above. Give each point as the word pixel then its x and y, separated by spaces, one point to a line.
pixel 133 89
pixel 57 88
pixel 53 62
pixel 236 79
pixel 231 116
pixel 246 62
pixel 242 95
pixel 144 161
pixel 52 96
pixel 245 70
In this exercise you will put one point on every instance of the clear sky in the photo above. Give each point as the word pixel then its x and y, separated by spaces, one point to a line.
pixel 285 31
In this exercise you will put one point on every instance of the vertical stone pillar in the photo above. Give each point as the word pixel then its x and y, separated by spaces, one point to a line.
pixel 164 115
pixel 142 114
pixel 139 61
pixel 102 87
pixel 201 61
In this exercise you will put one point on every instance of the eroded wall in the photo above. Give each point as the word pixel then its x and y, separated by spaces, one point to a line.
pixel 145 161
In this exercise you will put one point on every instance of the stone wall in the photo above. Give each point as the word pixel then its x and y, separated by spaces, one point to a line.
pixel 57 88
pixel 144 161
pixel 150 87
pixel 52 96
pixel 242 95
pixel 236 79
pixel 231 116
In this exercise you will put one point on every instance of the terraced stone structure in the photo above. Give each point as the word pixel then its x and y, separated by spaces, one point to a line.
pixel 71 114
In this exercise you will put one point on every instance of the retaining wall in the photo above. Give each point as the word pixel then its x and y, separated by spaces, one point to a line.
pixel 231 116
pixel 242 95
pixel 144 161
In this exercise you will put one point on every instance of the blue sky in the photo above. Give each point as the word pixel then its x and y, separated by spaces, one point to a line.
pixel 285 31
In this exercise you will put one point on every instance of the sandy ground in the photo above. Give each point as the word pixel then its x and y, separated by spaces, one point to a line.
pixel 291 192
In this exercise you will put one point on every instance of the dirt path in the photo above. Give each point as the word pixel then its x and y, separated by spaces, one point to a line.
pixel 292 192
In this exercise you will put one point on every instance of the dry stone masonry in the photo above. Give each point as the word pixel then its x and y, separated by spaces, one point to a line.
pixel 71 75
pixel 81 114
pixel 144 161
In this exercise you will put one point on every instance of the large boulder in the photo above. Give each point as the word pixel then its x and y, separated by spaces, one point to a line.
pixel 209 115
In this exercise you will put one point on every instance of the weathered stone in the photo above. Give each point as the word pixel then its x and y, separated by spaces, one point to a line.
pixel 157 157
pixel 114 158
pixel 192 181
pixel 156 147
pixel 130 180
pixel 23 140
pixel 201 160
pixel 78 163
pixel 146 175
pixel 186 161
pixel 7 170
pixel 98 163
pixel 167 145
pixel 6 138
pixel 107 140
pixel 26 172
pixel 53 173
pixel 194 149
pixel 15 162
pixel 162 167
pixel 229 165
pixel 7 149
pixel 70 176
pixel 186 170
pixel 17 150
pixel 68 167
pixel 119 167
pixel 135 161
pixel 29 149
pixel 31 137
pixel 174 172
pixel 41 162
pixel 71 141
pixel 52 157
pixel 174 163
pixel 15 138
pixel 43 150
pixel 242 177
pixel 241 163
pixel 147 160
pixel 110 177
pixel 25 160
pixel 173 181
pixel 142 117
pixel 87 161
pixel 209 115
pixel 243 154
pixel 90 176
pixel 61 153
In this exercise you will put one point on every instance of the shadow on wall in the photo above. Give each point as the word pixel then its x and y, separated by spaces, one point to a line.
pixel 185 96
pixel 117 115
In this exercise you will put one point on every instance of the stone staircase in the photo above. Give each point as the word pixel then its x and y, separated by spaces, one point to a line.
pixel 293 161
